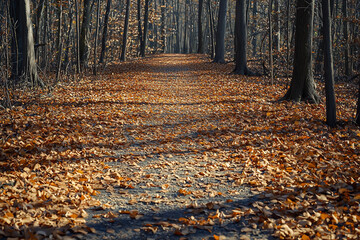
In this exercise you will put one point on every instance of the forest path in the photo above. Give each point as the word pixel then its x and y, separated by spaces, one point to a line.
pixel 175 147
pixel 176 159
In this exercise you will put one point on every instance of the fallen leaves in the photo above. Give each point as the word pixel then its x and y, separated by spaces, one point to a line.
pixel 53 152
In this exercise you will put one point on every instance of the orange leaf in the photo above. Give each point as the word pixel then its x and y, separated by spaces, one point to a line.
pixel 305 237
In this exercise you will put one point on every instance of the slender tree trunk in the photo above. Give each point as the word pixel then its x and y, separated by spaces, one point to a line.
pixel 126 28
pixel 60 47
pixel 200 31
pixel 220 34
pixel 146 26
pixel 140 33
pixel 328 64
pixel 69 35
pixel 185 48
pixel 177 43
pixel 254 41
pixel 302 87
pixel 163 25
pixel 84 35
pixel 271 43
pixel 45 37
pixel 288 5
pixel 211 20
pixel 77 38
pixel 241 39
pixel 96 35
pixel 277 42
pixel 39 23
pixel 105 32
pixel 346 38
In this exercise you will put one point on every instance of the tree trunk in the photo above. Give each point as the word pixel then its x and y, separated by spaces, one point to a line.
pixel 77 38
pixel 23 52
pixel 177 42
pixel 140 32
pixel 328 64
pixel 185 48
pixel 39 23
pixel 254 41
pixel 288 6
pixel 241 38
pixel 163 25
pixel 346 38
pixel 59 45
pixel 271 43
pixel 302 87
pixel 277 42
pixel 96 35
pixel 211 20
pixel 146 26
pixel 105 32
pixel 126 28
pixel 84 35
pixel 220 34
pixel 200 30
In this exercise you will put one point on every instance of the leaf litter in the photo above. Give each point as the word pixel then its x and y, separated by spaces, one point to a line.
pixel 179 148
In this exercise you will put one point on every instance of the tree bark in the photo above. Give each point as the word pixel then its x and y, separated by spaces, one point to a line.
pixel 163 25
pixel 77 38
pixel 277 42
pixel 241 38
pixel 220 34
pixel 254 41
pixel 60 46
pixel 23 53
pixel 346 38
pixel 271 43
pixel 302 87
pixel 200 30
pixel 105 32
pixel 96 36
pixel 211 20
pixel 84 35
pixel 146 27
pixel 328 64
pixel 140 32
pixel 126 28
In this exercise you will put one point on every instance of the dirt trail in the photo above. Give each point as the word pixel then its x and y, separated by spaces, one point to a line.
pixel 182 186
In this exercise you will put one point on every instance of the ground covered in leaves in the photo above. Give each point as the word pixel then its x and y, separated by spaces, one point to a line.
pixel 175 147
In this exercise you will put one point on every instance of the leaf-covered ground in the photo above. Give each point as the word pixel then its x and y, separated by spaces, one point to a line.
pixel 173 146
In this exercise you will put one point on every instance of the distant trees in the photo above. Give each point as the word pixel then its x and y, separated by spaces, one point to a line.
pixel 65 33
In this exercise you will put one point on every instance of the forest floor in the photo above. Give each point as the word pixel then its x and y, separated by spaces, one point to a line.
pixel 175 147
